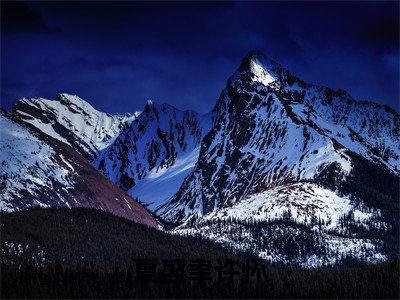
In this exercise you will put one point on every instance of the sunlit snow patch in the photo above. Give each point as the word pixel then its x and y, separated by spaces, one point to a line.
pixel 260 74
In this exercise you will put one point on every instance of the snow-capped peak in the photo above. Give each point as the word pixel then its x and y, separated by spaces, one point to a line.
pixel 260 68
pixel 260 74
pixel 73 121
pixel 265 135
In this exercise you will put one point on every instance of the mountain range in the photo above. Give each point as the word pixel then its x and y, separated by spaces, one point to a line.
pixel 291 171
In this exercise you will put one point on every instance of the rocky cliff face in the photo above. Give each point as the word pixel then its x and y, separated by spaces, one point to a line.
pixel 271 129
pixel 294 172
pixel 152 156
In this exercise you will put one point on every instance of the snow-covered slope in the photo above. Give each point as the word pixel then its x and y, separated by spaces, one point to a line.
pixel 308 203
pixel 29 168
pixel 301 223
pixel 72 121
pixel 288 243
pixel 151 157
pixel 37 170
pixel 270 129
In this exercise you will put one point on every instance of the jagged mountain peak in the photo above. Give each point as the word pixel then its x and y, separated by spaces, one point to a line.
pixel 154 111
pixel 256 57
pixel 73 121
pixel 71 102
pixel 258 67
pixel 153 106
pixel 277 141
pixel 152 156
pixel 150 104
pixel 270 128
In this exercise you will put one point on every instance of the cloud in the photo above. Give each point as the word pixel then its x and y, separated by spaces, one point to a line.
pixel 18 17
pixel 382 31
pixel 183 53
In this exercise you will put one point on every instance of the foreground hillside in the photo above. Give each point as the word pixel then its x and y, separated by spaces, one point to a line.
pixel 371 282
pixel 85 253
pixel 81 236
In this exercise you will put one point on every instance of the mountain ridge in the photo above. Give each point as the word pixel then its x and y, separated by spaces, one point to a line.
pixel 276 154
pixel 73 121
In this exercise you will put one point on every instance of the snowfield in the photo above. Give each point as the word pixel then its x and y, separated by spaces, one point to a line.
pixel 302 201
pixel 161 184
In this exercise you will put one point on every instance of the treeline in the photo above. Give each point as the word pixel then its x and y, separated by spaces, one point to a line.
pixel 92 238
pixel 56 281
pixel 375 187
pixel 85 253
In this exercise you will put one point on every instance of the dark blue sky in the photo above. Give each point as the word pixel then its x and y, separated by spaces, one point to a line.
pixel 118 55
